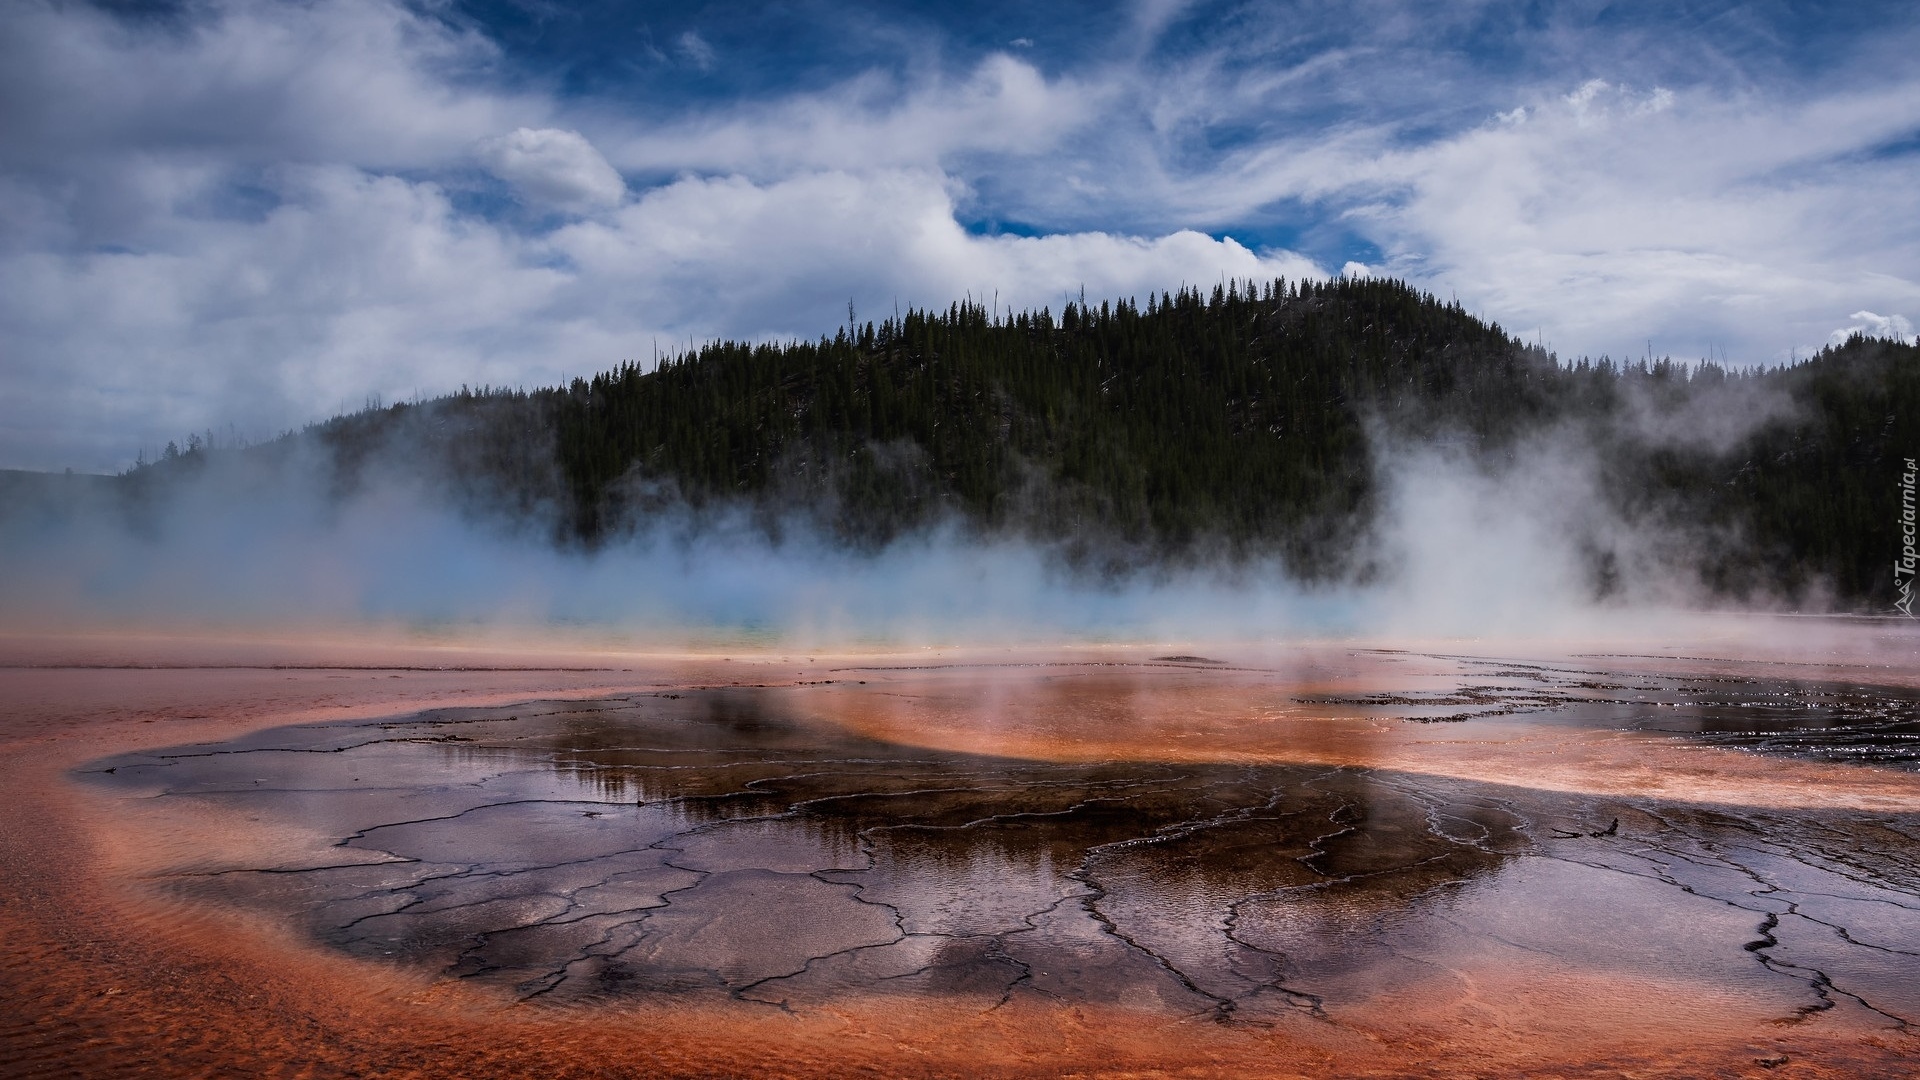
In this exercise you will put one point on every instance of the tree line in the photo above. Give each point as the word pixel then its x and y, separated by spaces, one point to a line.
pixel 1238 421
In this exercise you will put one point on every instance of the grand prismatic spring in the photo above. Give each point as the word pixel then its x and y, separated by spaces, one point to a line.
pixel 1424 859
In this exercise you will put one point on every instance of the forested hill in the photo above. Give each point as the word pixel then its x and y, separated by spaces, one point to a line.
pixel 1242 421
pixel 1236 417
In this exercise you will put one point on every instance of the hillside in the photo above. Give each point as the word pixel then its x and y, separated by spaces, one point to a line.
pixel 1244 421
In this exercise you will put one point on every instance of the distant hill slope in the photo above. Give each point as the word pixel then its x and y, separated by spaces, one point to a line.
pixel 1243 421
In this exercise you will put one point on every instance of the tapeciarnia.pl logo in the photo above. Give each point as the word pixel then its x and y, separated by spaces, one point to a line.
pixel 1903 567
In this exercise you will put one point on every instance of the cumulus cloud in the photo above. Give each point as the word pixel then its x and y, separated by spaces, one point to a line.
pixel 354 283
pixel 782 258
pixel 556 168
pixel 358 284
pixel 1867 324
pixel 246 81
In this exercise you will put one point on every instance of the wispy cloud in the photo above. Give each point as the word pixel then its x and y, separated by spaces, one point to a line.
pixel 871 120
pixel 694 49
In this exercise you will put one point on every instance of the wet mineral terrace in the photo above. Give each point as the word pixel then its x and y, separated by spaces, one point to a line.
pixel 1606 844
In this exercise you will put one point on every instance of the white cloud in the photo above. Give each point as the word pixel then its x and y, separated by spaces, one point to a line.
pixel 354 284
pixel 1702 221
pixel 1004 106
pixel 1581 100
pixel 1867 324
pixel 253 81
pixel 124 134
pixel 783 258
pixel 359 283
pixel 696 50
pixel 553 167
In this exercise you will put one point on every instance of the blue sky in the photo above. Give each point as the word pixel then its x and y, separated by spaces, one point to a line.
pixel 246 214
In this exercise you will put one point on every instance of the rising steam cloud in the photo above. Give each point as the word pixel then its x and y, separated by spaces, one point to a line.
pixel 1461 547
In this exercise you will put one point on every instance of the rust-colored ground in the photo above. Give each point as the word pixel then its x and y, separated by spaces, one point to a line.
pixel 99 977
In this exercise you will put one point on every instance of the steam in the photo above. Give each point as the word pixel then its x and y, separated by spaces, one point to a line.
pixel 1524 544
pixel 1461 547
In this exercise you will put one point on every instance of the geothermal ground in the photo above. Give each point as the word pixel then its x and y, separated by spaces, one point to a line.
pixel 1329 859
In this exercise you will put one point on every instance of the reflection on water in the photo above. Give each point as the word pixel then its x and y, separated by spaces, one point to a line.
pixel 728 841
pixel 1735 708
